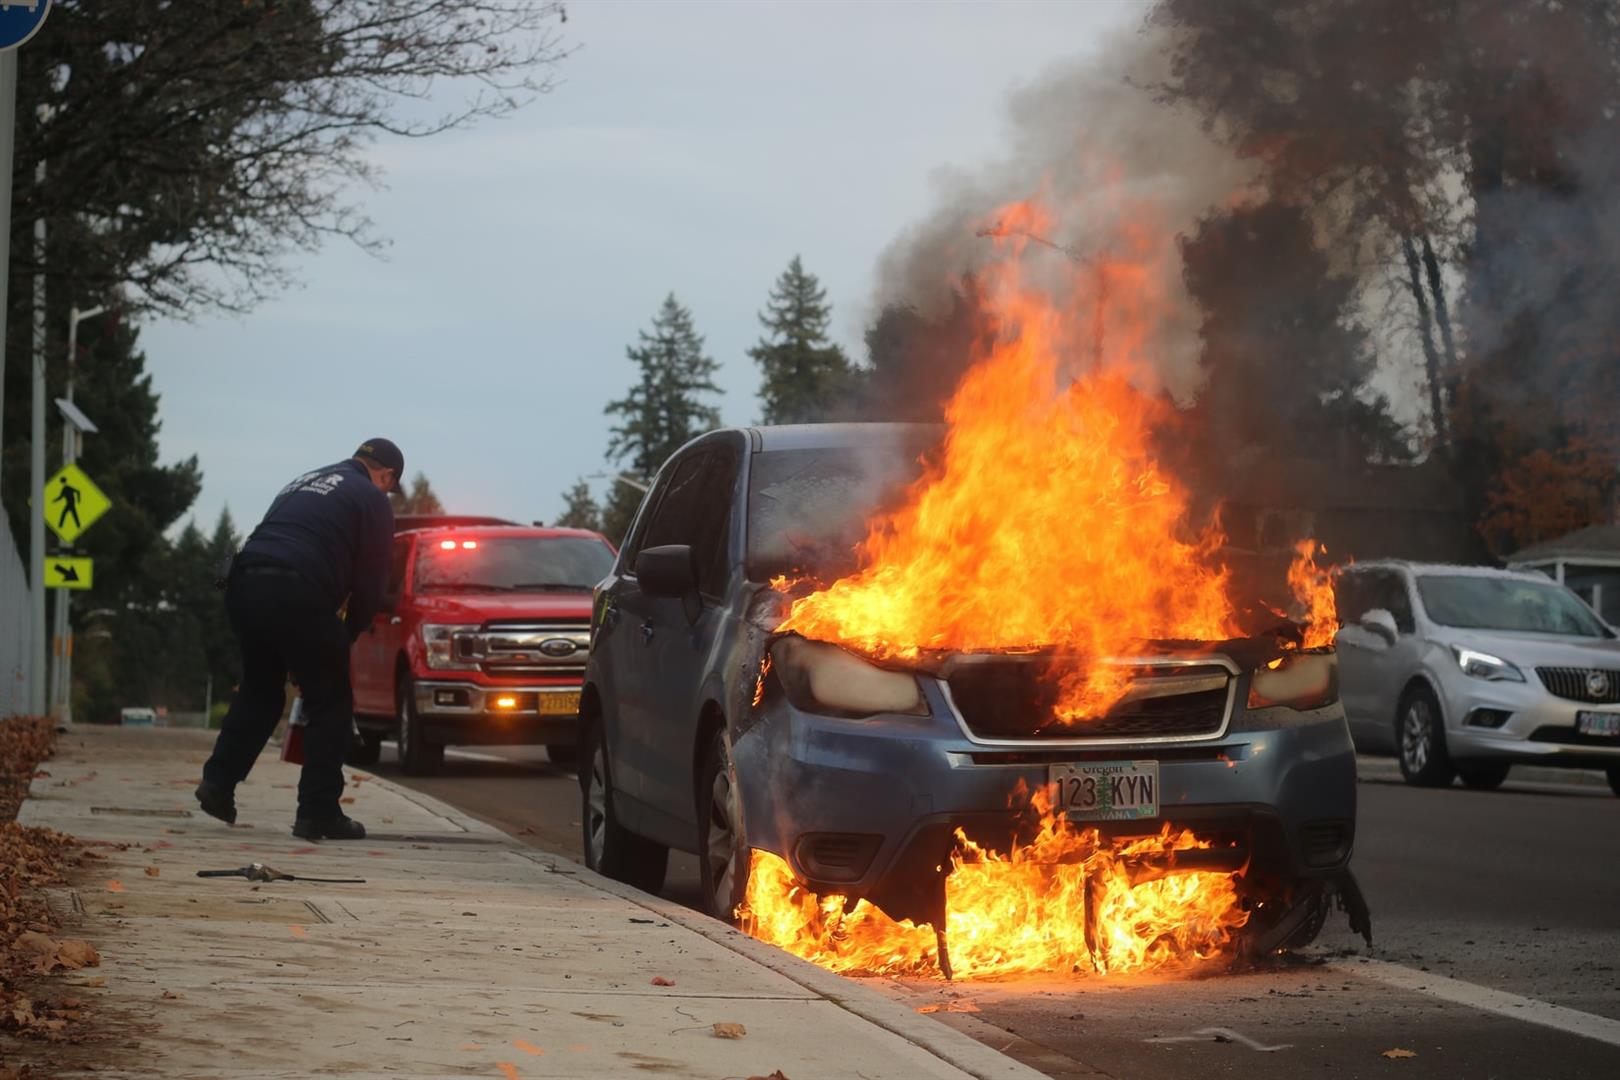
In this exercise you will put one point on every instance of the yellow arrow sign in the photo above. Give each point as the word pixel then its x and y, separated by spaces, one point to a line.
pixel 72 503
pixel 69 573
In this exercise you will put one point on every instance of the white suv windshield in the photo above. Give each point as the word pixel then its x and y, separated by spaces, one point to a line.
pixel 1491 603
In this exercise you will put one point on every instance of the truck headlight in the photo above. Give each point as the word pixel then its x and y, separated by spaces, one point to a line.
pixel 439 646
pixel 1482 665
pixel 823 678
pixel 1299 680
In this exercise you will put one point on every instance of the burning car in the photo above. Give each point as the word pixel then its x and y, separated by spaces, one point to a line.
pixel 808 769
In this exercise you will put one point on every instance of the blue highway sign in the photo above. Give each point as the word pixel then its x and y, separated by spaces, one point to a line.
pixel 21 20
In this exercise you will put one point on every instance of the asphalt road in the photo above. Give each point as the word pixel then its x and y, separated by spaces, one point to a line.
pixel 1497 947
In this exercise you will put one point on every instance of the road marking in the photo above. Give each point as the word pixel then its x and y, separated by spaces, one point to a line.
pixel 1500 1002
pixel 1218 1033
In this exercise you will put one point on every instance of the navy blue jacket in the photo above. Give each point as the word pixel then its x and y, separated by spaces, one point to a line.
pixel 335 528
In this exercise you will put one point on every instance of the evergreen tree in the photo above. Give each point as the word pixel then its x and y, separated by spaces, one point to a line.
pixel 663 410
pixel 806 377
pixel 579 508
pixel 418 499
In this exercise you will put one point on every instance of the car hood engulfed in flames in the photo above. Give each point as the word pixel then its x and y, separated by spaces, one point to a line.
pixel 1045 567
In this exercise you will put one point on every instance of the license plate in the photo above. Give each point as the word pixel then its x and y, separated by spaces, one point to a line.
pixel 558 705
pixel 1106 790
pixel 1598 723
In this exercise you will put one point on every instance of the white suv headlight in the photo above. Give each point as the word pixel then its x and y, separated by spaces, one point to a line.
pixel 439 645
pixel 823 678
pixel 1482 665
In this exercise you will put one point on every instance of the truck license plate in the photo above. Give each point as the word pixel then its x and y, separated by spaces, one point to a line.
pixel 558 705
pixel 1598 723
pixel 1106 790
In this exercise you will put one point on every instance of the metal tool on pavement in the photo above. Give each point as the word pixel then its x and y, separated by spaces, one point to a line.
pixel 260 872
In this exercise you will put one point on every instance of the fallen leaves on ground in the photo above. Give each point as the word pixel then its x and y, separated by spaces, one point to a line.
pixel 152 871
pixel 659 980
pixel 949 1006
pixel 729 1031
pixel 776 1075
pixel 1397 1052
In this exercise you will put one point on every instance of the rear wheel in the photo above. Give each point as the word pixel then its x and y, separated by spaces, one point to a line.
pixel 722 847
pixel 1420 740
pixel 417 756
pixel 610 848
pixel 1484 776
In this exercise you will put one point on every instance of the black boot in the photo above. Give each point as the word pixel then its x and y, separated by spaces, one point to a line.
pixel 217 802
pixel 337 827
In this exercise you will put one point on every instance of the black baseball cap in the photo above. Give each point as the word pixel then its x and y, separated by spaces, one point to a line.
pixel 384 453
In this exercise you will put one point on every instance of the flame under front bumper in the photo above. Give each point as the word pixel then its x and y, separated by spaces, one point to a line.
pixel 869 807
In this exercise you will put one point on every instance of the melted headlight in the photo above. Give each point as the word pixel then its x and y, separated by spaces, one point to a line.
pixel 1301 680
pixel 823 678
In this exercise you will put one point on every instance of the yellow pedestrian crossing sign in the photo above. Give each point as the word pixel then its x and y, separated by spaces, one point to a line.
pixel 72 503
pixel 74 572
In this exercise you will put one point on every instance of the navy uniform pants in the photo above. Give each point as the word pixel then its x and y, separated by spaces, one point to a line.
pixel 286 628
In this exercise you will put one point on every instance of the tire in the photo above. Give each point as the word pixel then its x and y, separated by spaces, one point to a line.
pixel 610 848
pixel 417 756
pixel 1420 740
pixel 563 755
pixel 366 749
pixel 1614 778
pixel 1484 775
pixel 722 846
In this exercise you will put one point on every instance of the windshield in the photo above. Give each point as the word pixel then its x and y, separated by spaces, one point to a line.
pixel 513 563
pixel 808 509
pixel 1491 603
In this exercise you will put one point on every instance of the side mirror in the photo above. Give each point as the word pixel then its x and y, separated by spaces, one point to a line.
pixel 1382 623
pixel 667 571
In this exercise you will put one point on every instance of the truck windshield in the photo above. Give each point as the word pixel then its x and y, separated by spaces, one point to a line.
pixel 1492 603
pixel 512 563
pixel 808 509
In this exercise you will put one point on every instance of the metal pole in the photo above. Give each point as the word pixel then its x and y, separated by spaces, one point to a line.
pixel 8 116
pixel 36 476
pixel 61 694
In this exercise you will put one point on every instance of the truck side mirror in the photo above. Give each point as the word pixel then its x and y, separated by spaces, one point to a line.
pixel 668 570
pixel 1382 623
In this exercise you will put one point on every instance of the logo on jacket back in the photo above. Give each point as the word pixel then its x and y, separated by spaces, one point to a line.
pixel 557 647
pixel 1597 683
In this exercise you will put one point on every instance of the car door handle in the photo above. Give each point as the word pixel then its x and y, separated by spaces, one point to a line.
pixel 646 629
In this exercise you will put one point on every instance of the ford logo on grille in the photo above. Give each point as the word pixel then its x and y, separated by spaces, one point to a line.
pixel 1597 684
pixel 558 647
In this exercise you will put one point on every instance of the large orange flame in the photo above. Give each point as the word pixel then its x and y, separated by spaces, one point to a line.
pixel 1021 913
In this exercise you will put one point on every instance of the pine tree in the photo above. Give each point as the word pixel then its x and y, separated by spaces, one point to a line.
pixel 579 508
pixel 663 410
pixel 806 378
pixel 419 499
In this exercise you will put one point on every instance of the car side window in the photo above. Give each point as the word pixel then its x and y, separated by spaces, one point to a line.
pixel 675 518
pixel 396 571
pixel 1350 597
pixel 1388 591
pixel 695 509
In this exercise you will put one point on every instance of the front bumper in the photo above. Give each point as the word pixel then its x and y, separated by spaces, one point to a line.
pixel 464 713
pixel 869 807
pixel 1539 727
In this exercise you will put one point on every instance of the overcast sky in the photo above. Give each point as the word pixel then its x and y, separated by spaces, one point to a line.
pixel 690 147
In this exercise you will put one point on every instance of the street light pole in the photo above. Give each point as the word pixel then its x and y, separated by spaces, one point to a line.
pixel 62 681
pixel 36 472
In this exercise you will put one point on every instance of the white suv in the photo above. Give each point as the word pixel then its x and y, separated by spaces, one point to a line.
pixel 1463 671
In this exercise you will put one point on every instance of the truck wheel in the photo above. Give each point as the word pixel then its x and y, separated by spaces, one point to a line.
pixel 563 755
pixel 417 757
pixel 366 749
pixel 610 848
pixel 722 848
pixel 1420 740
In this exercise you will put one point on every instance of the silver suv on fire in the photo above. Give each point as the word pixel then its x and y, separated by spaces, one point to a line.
pixel 1463 671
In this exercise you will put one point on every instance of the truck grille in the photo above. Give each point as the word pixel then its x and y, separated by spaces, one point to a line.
pixel 1015 698
pixel 1581 684
pixel 555 647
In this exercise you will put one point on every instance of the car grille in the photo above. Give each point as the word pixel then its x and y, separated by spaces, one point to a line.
pixel 1014 699
pixel 556 647
pixel 1577 684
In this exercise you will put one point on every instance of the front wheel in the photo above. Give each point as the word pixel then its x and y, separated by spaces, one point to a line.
pixel 610 848
pixel 722 848
pixel 1484 776
pixel 1420 740
pixel 417 756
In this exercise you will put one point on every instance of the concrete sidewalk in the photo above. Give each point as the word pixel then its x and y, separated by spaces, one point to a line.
pixel 463 954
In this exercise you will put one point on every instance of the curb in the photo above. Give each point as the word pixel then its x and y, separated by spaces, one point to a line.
pixel 949 1045
pixel 1384 770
